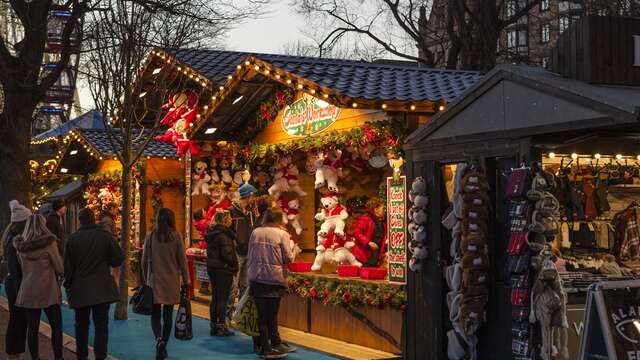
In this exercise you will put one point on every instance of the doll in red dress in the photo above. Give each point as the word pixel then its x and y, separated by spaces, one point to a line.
pixel 370 234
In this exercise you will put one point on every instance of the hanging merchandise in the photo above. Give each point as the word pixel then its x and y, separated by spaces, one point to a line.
pixel 201 179
pixel 418 222
pixel 183 112
pixel 467 277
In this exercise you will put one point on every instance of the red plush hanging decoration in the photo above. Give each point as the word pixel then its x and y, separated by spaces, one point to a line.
pixel 183 113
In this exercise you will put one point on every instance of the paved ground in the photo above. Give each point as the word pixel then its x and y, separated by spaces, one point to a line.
pixel 46 352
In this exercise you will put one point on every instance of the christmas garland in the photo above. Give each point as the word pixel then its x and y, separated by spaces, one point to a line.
pixel 347 293
pixel 383 135
pixel 267 113
pixel 103 188
pixel 156 191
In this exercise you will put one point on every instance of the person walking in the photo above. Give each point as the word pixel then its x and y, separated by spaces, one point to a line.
pixel 163 264
pixel 90 253
pixel 269 253
pixel 108 218
pixel 222 266
pixel 40 290
pixel 16 333
pixel 55 223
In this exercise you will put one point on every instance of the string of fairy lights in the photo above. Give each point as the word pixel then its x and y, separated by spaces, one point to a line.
pixel 221 91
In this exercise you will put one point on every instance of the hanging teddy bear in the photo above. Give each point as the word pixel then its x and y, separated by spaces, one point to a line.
pixel 327 170
pixel 293 183
pixel 291 213
pixel 201 179
pixel 213 170
pixel 225 172
pixel 280 182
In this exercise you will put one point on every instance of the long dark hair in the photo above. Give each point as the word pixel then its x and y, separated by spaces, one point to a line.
pixel 165 224
pixel 12 230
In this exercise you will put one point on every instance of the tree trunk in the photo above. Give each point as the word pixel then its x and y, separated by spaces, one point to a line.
pixel 15 132
pixel 122 307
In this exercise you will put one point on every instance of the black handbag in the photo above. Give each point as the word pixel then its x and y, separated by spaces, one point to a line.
pixel 142 299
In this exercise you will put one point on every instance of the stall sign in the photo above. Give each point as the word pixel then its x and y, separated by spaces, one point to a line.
pixel 201 271
pixel 308 116
pixel 397 229
pixel 612 321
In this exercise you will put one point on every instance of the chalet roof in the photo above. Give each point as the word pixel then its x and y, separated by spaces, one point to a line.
pixel 350 78
pixel 92 119
pixel 531 100
pixel 99 140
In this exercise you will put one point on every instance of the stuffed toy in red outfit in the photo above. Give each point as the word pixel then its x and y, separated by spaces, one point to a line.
pixel 183 112
pixel 370 234
pixel 327 169
pixel 291 213
pixel 201 223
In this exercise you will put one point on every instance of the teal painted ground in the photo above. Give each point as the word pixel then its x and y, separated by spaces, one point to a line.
pixel 133 340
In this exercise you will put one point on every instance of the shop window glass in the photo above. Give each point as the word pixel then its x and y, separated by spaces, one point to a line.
pixel 545 35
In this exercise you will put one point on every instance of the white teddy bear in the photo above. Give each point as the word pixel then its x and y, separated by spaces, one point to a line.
pixel 333 216
pixel 291 213
pixel 419 253
pixel 326 172
pixel 334 249
pixel 292 173
pixel 200 179
pixel 285 179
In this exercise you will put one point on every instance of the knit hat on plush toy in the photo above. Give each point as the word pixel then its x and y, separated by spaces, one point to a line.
pixel 18 211
pixel 246 190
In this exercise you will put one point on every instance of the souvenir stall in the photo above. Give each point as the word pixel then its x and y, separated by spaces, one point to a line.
pixel 328 154
pixel 158 175
pixel 532 184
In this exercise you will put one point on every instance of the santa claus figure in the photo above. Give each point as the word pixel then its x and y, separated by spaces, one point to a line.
pixel 182 112
pixel 370 234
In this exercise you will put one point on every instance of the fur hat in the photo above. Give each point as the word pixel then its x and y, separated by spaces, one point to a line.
pixel 473 242
pixel 472 260
pixel 472 277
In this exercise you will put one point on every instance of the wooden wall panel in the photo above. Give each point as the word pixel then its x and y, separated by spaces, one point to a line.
pixel 108 166
pixel 294 313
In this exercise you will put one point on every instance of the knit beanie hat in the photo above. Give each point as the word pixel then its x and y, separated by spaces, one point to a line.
pixel 246 190
pixel 18 211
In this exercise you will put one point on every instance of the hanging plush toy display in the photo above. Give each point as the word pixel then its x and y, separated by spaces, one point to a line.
pixel 201 179
pixel 285 178
pixel 183 112
pixel 418 222
pixel 291 213
pixel 327 167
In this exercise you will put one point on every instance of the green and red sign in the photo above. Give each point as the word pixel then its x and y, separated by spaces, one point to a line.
pixel 397 229
pixel 308 116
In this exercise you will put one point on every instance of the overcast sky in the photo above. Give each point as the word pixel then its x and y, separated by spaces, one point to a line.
pixel 268 34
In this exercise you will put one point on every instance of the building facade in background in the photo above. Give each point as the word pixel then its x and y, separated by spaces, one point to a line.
pixel 530 39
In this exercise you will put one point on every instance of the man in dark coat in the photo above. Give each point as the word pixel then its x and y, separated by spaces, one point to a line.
pixel 89 255
pixel 55 224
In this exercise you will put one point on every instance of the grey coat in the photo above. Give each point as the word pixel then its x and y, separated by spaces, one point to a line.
pixel 163 264
pixel 269 253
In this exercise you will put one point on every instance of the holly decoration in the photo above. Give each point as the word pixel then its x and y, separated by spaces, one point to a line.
pixel 347 293
pixel 382 134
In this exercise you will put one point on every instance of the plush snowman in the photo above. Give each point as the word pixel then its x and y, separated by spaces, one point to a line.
pixel 201 179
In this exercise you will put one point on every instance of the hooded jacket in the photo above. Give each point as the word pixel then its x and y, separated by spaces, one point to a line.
pixel 41 265
pixel 90 254
pixel 221 249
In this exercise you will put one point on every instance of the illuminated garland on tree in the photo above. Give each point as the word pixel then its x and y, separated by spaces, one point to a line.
pixel 347 293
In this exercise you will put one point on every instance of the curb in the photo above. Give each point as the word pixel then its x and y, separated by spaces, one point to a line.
pixel 68 342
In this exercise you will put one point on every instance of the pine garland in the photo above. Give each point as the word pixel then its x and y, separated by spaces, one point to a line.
pixel 347 293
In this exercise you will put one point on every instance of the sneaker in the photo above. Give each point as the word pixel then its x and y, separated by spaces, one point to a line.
pixel 273 354
pixel 285 348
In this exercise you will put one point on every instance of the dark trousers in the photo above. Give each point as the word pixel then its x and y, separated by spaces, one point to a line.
pixel 268 322
pixel 16 335
pixel 54 314
pixel 162 330
pixel 222 282
pixel 101 324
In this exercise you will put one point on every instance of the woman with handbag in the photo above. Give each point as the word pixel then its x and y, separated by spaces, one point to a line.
pixel 163 265
pixel 222 266
pixel 270 251
pixel 42 266
pixel 16 334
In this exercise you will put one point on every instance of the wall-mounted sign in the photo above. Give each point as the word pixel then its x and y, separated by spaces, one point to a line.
pixel 397 229
pixel 308 116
